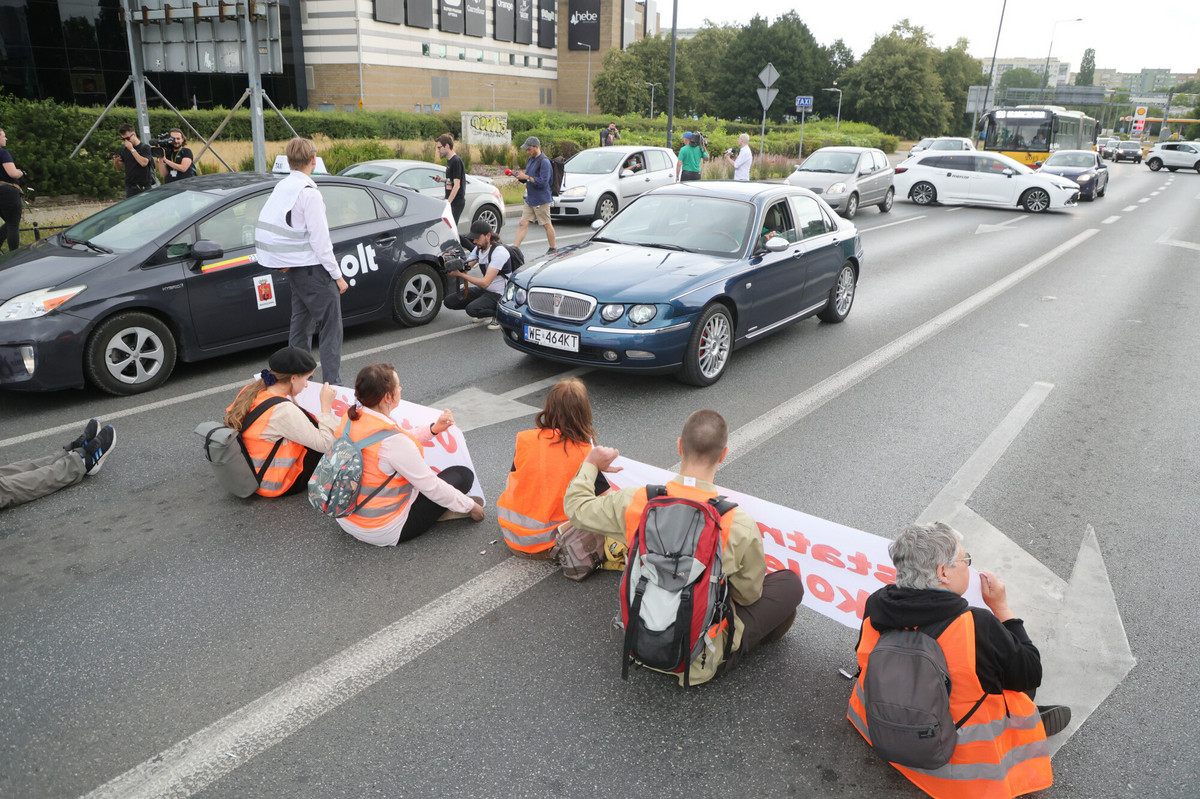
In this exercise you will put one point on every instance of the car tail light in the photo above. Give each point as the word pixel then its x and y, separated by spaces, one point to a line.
pixel 448 217
pixel 901 170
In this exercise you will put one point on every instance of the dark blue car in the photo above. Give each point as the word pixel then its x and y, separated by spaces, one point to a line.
pixel 171 274
pixel 683 276
pixel 1082 166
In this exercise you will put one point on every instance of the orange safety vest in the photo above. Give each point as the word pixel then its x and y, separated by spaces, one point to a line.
pixel 1001 750
pixel 288 462
pixel 391 501
pixel 531 507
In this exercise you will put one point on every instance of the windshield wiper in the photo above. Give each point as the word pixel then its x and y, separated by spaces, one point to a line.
pixel 90 245
pixel 663 246
pixel 816 169
pixel 606 238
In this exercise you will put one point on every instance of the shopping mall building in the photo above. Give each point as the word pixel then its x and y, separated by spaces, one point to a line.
pixel 413 55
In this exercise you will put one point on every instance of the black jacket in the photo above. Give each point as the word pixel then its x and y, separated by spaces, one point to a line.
pixel 1005 658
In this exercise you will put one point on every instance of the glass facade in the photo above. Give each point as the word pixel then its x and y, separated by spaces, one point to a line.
pixel 76 51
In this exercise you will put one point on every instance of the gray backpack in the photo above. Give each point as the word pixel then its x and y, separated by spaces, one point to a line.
pixel 907 688
pixel 224 449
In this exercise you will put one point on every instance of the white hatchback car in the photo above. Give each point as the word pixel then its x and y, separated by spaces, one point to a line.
pixel 483 201
pixel 600 181
pixel 975 178
pixel 1174 155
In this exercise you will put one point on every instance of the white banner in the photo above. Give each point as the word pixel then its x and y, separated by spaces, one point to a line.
pixel 840 566
pixel 443 450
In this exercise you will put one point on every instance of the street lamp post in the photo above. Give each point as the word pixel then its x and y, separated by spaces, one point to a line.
pixel 651 85
pixel 1046 68
pixel 839 114
pixel 588 103
pixel 492 86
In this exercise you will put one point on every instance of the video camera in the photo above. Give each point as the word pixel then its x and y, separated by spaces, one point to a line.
pixel 160 144
pixel 700 139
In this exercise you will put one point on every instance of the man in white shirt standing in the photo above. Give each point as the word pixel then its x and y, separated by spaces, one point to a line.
pixel 292 235
pixel 741 165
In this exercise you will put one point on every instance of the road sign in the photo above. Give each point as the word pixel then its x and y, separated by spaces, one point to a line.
pixel 437 107
pixel 768 75
pixel 766 97
pixel 804 102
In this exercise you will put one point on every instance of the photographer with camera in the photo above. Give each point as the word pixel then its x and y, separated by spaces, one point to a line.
pixel 136 157
pixel 483 293
pixel 741 165
pixel 176 162
pixel 690 156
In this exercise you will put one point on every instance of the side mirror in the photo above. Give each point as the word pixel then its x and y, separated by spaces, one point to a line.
pixel 1008 172
pixel 796 168
pixel 1037 164
pixel 597 224
pixel 205 250
pixel 626 173
pixel 777 244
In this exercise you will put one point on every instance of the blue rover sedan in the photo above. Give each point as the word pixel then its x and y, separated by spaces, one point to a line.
pixel 683 276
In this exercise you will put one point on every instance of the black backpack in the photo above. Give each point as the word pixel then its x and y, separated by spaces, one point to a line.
pixel 516 259
pixel 907 692
pixel 558 175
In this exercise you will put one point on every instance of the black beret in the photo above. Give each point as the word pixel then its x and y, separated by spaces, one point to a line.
pixel 292 361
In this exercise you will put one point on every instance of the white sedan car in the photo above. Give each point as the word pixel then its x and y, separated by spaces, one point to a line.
pixel 977 178
pixel 602 180
pixel 483 199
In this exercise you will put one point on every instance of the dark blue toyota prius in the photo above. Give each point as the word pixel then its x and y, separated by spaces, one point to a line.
pixel 683 276
pixel 171 274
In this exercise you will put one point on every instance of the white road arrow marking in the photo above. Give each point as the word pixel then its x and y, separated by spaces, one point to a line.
pixel 994 228
pixel 1165 238
pixel 1076 625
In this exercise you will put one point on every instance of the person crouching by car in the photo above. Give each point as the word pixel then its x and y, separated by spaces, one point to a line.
pixel 285 435
pixel 400 496
pixel 177 162
pixel 483 293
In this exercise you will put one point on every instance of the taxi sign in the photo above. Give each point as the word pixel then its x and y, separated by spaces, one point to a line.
pixel 280 167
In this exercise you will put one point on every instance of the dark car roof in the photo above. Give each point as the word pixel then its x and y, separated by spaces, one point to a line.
pixel 730 189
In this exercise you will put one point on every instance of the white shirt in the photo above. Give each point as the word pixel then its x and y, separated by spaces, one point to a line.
pixel 741 167
pixel 397 455
pixel 496 258
pixel 308 217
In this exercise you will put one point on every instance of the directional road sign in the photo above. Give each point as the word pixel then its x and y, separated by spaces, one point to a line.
pixel 766 97
pixel 769 75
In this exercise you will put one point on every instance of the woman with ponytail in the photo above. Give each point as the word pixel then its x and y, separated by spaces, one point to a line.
pixel 400 497
pixel 282 436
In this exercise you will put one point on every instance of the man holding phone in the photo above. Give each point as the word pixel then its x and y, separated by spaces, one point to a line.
pixel 456 176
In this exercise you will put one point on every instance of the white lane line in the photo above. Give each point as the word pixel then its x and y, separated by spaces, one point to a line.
pixel 203 758
pixel 529 388
pixel 746 438
pixel 208 392
pixel 892 224
pixel 1129 208
pixel 955 208
pixel 1154 194
pixel 1110 220
pixel 1144 200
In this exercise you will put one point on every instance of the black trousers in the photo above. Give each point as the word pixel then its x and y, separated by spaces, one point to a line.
pixel 479 304
pixel 10 212
pixel 424 511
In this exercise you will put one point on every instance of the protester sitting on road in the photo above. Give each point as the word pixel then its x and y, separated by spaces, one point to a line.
pixel 764 605
pixel 531 508
pixel 25 481
pixel 994 669
pixel 301 438
pixel 413 496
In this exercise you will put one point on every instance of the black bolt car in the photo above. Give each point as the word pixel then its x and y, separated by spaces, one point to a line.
pixel 171 273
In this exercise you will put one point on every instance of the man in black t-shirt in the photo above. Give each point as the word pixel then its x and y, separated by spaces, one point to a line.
pixel 456 176
pixel 136 158
pixel 177 162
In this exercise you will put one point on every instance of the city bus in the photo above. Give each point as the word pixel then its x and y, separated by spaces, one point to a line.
pixel 1029 133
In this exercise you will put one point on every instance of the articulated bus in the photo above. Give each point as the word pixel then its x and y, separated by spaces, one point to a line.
pixel 1029 133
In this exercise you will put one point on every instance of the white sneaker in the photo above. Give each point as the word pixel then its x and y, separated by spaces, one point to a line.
pixel 494 324
pixel 480 320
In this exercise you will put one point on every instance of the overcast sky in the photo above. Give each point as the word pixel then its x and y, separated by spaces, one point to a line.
pixel 1142 35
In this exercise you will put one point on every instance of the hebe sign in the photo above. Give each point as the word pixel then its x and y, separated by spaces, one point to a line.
pixel 583 24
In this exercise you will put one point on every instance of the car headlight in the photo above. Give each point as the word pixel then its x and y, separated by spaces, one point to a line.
pixel 836 188
pixel 611 313
pixel 641 314
pixel 521 295
pixel 1082 178
pixel 36 303
pixel 510 291
pixel 575 191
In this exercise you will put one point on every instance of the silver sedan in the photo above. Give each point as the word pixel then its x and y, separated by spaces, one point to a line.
pixel 483 200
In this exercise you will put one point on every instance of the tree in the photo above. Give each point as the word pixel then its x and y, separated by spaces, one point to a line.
pixel 1087 68
pixel 896 85
pixel 618 86
pixel 840 56
pixel 1019 78
pixel 700 56
pixel 959 71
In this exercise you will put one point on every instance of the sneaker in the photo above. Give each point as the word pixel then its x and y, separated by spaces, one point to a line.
pixel 1055 718
pixel 95 451
pixel 479 320
pixel 493 324
pixel 89 432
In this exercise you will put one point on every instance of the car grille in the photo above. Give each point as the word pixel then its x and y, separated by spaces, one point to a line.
pixel 561 304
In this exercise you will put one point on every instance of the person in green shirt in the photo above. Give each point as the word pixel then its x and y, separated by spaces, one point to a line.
pixel 690 156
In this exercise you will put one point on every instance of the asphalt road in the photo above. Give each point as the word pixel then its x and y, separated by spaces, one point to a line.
pixel 150 623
